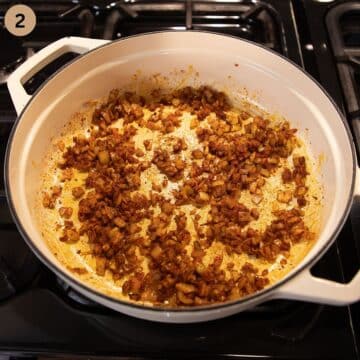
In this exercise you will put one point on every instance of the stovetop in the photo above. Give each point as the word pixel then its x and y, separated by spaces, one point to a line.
pixel 41 316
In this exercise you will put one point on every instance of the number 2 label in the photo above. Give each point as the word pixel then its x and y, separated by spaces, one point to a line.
pixel 20 22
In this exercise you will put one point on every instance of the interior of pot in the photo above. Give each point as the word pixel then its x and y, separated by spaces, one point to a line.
pixel 240 68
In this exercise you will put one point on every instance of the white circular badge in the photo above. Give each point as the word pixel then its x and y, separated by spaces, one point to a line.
pixel 20 20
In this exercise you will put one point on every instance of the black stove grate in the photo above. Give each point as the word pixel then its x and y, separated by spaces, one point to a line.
pixel 344 32
pixel 43 315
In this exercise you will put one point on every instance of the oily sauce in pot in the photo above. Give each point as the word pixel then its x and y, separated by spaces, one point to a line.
pixel 179 198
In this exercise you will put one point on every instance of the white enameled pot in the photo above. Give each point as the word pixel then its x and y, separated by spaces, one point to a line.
pixel 280 86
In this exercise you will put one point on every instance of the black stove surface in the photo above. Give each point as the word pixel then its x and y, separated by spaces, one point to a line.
pixel 40 316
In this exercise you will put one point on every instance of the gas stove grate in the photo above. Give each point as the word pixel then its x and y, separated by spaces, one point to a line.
pixel 343 27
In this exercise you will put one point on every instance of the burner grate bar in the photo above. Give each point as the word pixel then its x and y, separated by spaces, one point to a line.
pixel 189 16
pixel 174 6
pixel 347 61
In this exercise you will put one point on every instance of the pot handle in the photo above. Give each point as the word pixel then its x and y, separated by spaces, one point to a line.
pixel 307 287
pixel 42 58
